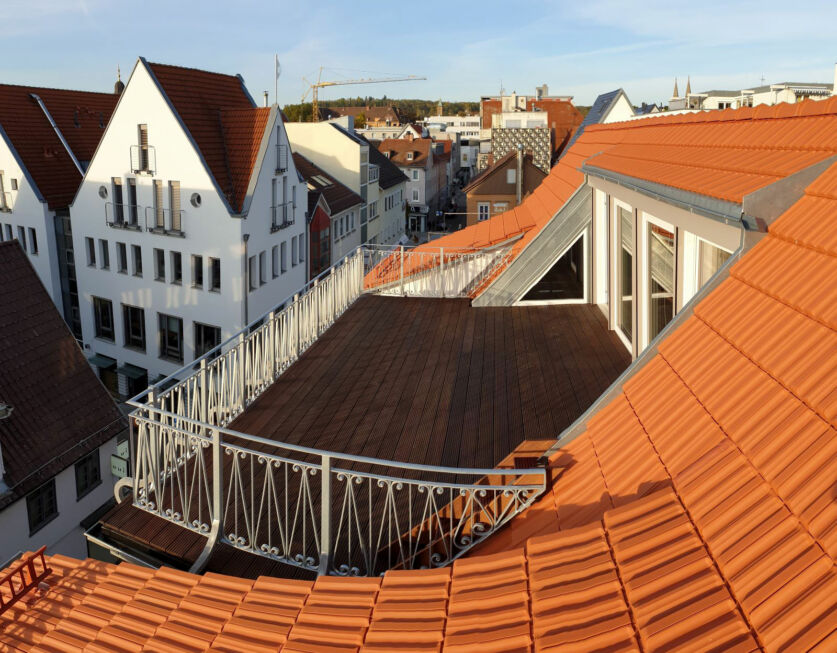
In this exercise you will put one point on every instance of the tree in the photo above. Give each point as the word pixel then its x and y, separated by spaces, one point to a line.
pixel 360 120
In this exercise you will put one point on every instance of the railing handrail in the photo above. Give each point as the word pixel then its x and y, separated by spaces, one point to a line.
pixel 367 460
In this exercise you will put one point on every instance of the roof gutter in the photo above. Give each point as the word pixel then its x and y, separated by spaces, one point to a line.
pixel 709 207
pixel 58 133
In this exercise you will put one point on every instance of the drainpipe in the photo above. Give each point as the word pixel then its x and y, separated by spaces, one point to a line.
pixel 58 133
pixel 244 286
pixel 519 172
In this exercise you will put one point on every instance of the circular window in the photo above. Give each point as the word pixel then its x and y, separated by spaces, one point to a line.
pixel 196 200
pixel 103 192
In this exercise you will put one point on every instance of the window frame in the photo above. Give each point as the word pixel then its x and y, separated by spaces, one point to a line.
pixel 98 304
pixel 47 517
pixel 82 492
pixel 127 335
pixel 162 338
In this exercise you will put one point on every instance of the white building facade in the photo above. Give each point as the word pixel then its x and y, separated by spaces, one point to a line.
pixel 171 263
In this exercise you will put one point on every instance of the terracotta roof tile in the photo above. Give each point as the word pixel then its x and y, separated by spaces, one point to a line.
pixel 81 116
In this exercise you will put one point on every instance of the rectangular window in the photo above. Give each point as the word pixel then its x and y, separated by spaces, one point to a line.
pixel 88 476
pixel 511 175
pixel 121 257
pixel 133 208
pixel 415 195
pixel 133 318
pixel 275 260
pixel 301 247
pixel 171 337
pixel 103 318
pixel 197 271
pixel 159 213
pixel 262 268
pixel 33 241
pixel 8 232
pixel 174 205
pixel 626 271
pixel 661 279
pixel 294 252
pixel 136 252
pixel 41 506
pixel 284 255
pixel 159 265
pixel 104 252
pixel 215 274
pixel 176 268
pixel 483 211
pixel 415 175
pixel 253 272
pixel 710 260
pixel 143 147
pixel 118 206
pixel 21 236
pixel 206 338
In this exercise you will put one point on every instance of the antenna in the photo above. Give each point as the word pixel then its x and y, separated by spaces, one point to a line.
pixel 277 70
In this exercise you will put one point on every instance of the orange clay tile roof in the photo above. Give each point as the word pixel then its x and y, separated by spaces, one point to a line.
pixel 80 116
pixel 722 154
pixel 220 117
pixel 697 512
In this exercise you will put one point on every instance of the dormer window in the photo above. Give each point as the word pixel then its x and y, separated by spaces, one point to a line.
pixel 409 156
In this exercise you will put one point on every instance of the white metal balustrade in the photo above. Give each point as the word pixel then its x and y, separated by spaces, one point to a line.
pixel 321 510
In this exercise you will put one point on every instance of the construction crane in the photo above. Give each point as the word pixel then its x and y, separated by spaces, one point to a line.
pixel 315 87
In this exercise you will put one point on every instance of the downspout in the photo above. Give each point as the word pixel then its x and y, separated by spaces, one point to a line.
pixel 244 286
pixel 58 133
pixel 519 191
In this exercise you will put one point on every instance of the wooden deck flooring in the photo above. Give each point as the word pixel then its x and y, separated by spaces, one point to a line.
pixel 422 381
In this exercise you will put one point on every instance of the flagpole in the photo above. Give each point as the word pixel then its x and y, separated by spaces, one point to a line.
pixel 276 78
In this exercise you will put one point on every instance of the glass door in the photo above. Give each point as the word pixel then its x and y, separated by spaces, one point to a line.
pixel 661 277
pixel 626 272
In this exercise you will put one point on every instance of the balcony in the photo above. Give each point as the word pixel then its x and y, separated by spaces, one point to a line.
pixel 143 159
pixel 122 216
pixel 164 221
pixel 281 216
pixel 358 427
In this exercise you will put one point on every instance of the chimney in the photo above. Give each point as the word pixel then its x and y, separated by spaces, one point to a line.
pixel 519 176
pixel 265 99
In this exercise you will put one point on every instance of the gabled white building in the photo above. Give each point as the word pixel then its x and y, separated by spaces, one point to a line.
pixel 47 137
pixel 189 223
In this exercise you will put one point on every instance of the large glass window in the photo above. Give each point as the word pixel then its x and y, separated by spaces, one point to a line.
pixel 661 278
pixel 207 337
pixel 171 337
pixel 626 272
pixel 133 318
pixel 103 316
pixel 710 260
pixel 564 280
pixel 87 474
pixel 41 506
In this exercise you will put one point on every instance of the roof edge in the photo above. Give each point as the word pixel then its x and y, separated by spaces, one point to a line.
pixel 186 131
pixel 25 170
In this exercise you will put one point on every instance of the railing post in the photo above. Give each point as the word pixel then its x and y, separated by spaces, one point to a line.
pixel 242 368
pixel 216 528
pixel 296 325
pixel 272 321
pixel 325 515
pixel 402 269
pixel 204 393
pixel 442 268
pixel 316 297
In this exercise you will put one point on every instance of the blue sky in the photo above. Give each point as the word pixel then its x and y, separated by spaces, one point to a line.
pixel 580 48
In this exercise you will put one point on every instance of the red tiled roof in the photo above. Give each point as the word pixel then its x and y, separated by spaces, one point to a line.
pixel 220 117
pixel 81 117
pixel 61 410
pixel 337 196
pixel 696 512
pixel 397 150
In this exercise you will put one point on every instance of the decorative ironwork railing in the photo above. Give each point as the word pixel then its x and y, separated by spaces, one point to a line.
pixel 322 510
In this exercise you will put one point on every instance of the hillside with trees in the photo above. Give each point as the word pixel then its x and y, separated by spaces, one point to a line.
pixel 410 110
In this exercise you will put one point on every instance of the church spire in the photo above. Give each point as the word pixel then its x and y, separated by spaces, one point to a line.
pixel 688 86
pixel 676 93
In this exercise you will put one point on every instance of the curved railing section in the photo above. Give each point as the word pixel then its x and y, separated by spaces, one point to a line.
pixel 324 511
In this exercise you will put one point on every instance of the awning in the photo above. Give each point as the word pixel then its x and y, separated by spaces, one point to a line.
pixel 132 371
pixel 101 361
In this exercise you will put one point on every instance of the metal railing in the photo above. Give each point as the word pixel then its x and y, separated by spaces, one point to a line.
pixel 161 220
pixel 321 510
pixel 281 216
pixel 122 215
pixel 143 159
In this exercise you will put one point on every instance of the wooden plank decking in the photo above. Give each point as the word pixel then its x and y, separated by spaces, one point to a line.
pixel 423 381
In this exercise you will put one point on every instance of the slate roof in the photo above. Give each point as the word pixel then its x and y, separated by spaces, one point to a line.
pixel 597 112
pixel 81 117
pixel 696 512
pixel 389 174
pixel 371 113
pixel 338 196
pixel 61 411
pixel 219 115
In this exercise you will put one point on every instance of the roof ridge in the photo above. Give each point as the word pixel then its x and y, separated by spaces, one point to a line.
pixel 191 68
pixel 55 88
